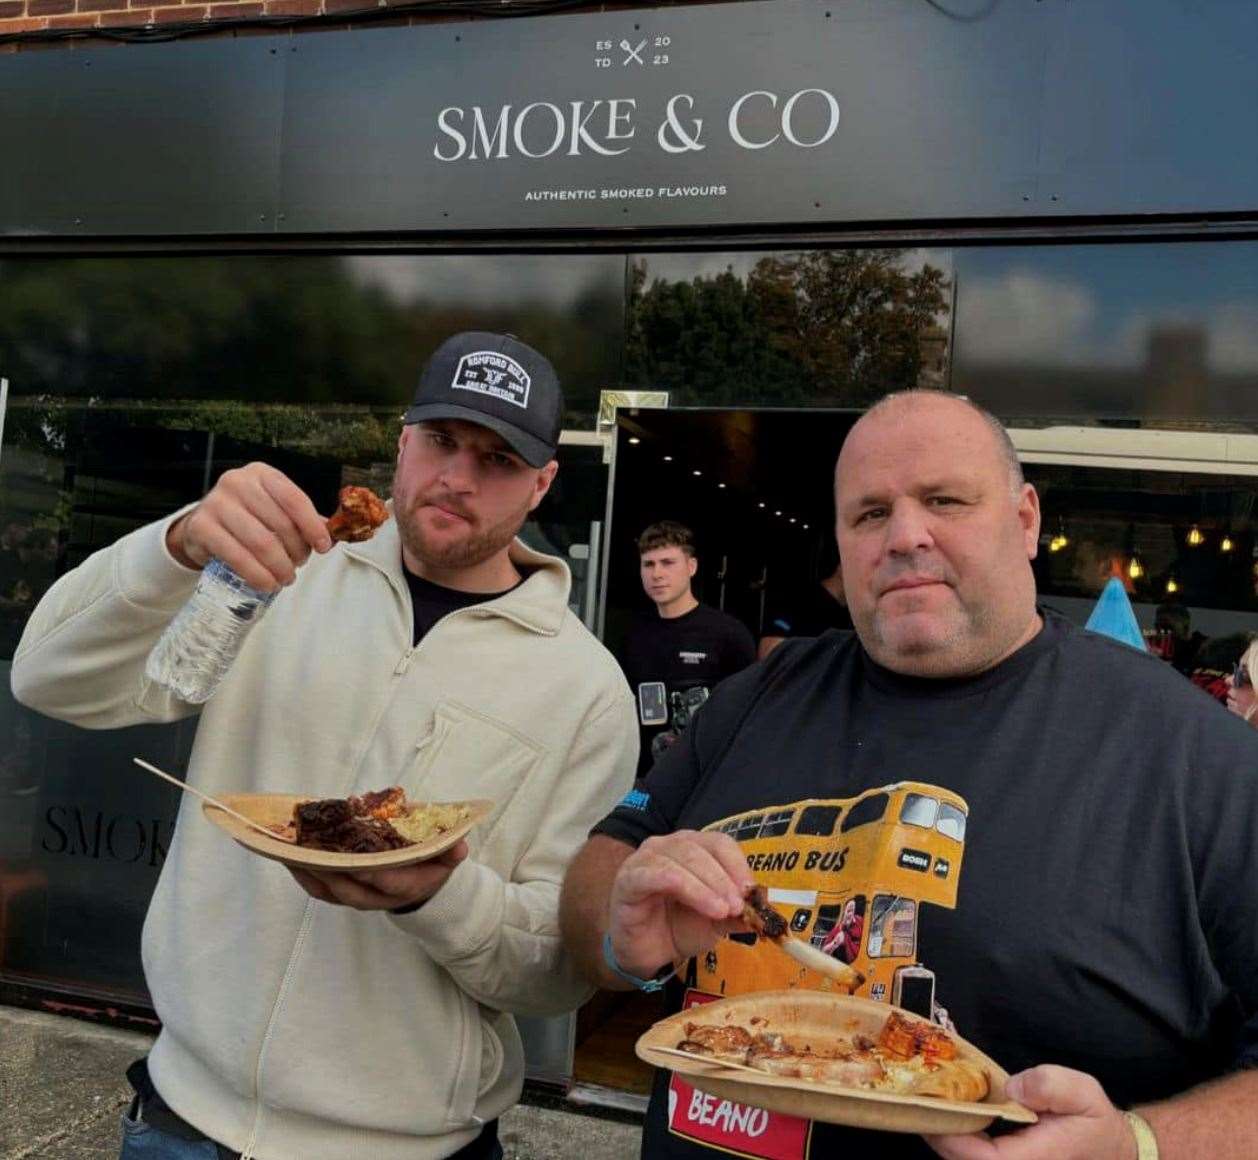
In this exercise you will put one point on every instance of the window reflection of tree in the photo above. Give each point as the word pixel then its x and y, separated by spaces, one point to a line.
pixel 820 328
pixel 304 330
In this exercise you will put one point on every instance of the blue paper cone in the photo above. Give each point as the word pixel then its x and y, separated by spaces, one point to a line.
pixel 1113 616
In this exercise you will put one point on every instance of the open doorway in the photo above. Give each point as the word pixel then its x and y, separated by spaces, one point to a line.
pixel 753 485
pixel 755 488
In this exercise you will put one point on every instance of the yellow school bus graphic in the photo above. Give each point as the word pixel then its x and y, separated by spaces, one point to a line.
pixel 848 875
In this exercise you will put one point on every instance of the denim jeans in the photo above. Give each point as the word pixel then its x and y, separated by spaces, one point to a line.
pixel 141 1141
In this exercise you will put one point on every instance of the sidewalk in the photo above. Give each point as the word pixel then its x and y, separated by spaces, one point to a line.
pixel 62 1090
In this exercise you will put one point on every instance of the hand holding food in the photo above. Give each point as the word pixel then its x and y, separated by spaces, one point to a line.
pixel 1077 1121
pixel 391 888
pixel 257 521
pixel 675 897
pixel 369 823
pixel 760 917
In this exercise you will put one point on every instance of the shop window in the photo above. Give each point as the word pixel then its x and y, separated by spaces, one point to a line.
pixel 133 384
pixel 1156 334
pixel 815 328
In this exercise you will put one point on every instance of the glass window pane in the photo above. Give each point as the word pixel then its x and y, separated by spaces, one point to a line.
pixel 1159 334
pixel 134 383
pixel 817 328
pixel 1181 544
pixel 306 330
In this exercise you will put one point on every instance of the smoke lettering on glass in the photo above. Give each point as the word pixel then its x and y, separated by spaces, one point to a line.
pixel 117 838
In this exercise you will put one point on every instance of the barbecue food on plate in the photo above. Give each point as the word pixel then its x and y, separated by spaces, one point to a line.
pixel 360 513
pixel 731 1043
pixel 334 824
pixel 910 1057
pixel 371 822
pixel 906 1038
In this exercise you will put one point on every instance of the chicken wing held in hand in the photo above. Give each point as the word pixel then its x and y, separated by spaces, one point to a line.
pixel 360 513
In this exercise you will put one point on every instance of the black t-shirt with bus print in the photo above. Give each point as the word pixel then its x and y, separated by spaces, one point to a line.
pixel 1066 842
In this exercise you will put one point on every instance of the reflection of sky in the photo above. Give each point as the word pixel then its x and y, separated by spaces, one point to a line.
pixel 685 267
pixel 477 279
pixel 1097 305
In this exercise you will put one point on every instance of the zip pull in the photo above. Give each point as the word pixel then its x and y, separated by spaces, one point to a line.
pixel 404 663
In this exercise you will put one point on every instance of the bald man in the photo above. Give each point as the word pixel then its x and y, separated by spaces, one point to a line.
pixel 1102 940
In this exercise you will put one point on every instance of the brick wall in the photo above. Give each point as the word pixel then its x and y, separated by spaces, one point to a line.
pixel 25 23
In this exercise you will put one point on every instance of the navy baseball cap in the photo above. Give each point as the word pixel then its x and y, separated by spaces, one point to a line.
pixel 499 382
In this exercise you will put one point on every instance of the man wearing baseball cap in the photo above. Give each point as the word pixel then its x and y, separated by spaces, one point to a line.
pixel 327 1015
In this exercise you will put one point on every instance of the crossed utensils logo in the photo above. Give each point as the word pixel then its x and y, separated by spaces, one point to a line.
pixel 632 52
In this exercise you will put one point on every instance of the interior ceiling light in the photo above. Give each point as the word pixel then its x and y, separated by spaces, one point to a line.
pixel 668 459
pixel 1225 544
pixel 1060 540
pixel 1171 586
pixel 634 439
pixel 759 505
pixel 720 485
pixel 777 513
pixel 1194 536
pixel 1134 569
pixel 696 472
pixel 791 520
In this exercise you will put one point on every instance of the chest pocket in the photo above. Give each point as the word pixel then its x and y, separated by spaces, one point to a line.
pixel 468 755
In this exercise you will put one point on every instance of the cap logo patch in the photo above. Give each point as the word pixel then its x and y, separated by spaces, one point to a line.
pixel 488 373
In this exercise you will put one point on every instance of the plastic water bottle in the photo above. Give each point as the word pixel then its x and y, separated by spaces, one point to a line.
pixel 199 645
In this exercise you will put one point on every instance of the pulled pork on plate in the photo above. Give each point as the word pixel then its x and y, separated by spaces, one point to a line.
pixel 371 822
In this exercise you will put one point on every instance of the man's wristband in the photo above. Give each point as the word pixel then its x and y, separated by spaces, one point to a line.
pixel 1146 1141
pixel 655 983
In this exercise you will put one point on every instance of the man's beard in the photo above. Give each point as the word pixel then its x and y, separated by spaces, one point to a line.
pixel 477 547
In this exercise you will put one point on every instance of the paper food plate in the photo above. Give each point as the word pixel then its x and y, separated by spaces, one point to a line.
pixel 817 1016
pixel 277 808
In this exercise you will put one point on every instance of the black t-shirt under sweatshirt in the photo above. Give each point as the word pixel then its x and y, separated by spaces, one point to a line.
pixel 430 602
pixel 1106 912
pixel 698 649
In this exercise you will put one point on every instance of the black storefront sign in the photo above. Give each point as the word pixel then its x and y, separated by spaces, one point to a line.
pixel 793 114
